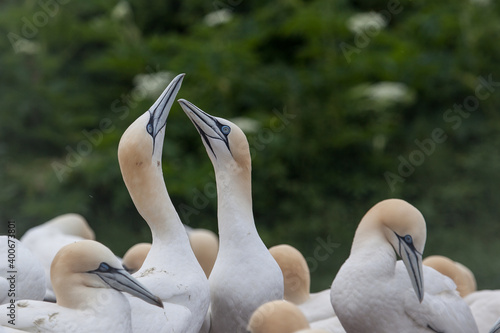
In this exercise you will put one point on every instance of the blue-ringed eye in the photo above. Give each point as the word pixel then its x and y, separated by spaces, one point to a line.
pixel 225 129
pixel 103 267
pixel 408 239
pixel 149 128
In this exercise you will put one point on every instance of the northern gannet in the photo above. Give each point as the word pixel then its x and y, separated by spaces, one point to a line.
pixel 46 239
pixel 373 292
pixel 88 280
pixel 245 275
pixel 461 275
pixel 27 276
pixel 170 270
pixel 135 256
pixel 277 317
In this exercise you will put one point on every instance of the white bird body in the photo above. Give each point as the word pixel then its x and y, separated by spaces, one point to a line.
pixel 245 275
pixel 331 325
pixel 45 240
pixel 485 307
pixel 373 292
pixel 318 306
pixel 28 277
pixel 170 269
pixel 87 280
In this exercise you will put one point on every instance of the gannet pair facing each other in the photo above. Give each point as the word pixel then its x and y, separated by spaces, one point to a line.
pixel 373 292
pixel 88 280
pixel 245 275
pixel 45 240
pixel 170 270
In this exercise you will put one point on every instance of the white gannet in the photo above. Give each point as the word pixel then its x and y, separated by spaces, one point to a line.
pixel 46 239
pixel 373 292
pixel 87 280
pixel 297 279
pixel 205 245
pixel 170 270
pixel 245 275
pixel 461 275
pixel 21 270
pixel 277 317
pixel 135 256
pixel 485 307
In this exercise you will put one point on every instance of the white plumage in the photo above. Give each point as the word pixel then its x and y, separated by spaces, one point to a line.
pixel 373 292
pixel 245 275
pixel 28 274
pixel 170 269
pixel 45 240
pixel 87 280
pixel 485 307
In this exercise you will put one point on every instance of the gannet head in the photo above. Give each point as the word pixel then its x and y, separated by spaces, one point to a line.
pixel 225 142
pixel 141 144
pixel 135 256
pixel 404 228
pixel 90 264
pixel 72 224
pixel 205 245
pixel 296 276
pixel 461 275
pixel 277 317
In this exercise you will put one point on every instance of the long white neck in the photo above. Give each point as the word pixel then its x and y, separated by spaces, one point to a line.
pixel 235 216
pixel 149 193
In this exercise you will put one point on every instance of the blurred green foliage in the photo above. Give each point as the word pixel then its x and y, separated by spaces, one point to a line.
pixel 67 72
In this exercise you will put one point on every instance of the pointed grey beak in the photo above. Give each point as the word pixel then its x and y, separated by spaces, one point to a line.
pixel 120 280
pixel 496 327
pixel 208 126
pixel 413 262
pixel 161 108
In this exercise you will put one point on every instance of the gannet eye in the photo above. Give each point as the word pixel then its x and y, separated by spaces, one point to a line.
pixel 103 267
pixel 225 129
pixel 408 239
pixel 149 128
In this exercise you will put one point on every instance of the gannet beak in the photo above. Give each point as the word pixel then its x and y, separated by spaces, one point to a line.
pixel 413 262
pixel 496 327
pixel 208 126
pixel 161 108
pixel 120 280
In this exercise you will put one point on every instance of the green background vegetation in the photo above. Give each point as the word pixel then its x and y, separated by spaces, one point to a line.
pixel 313 179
